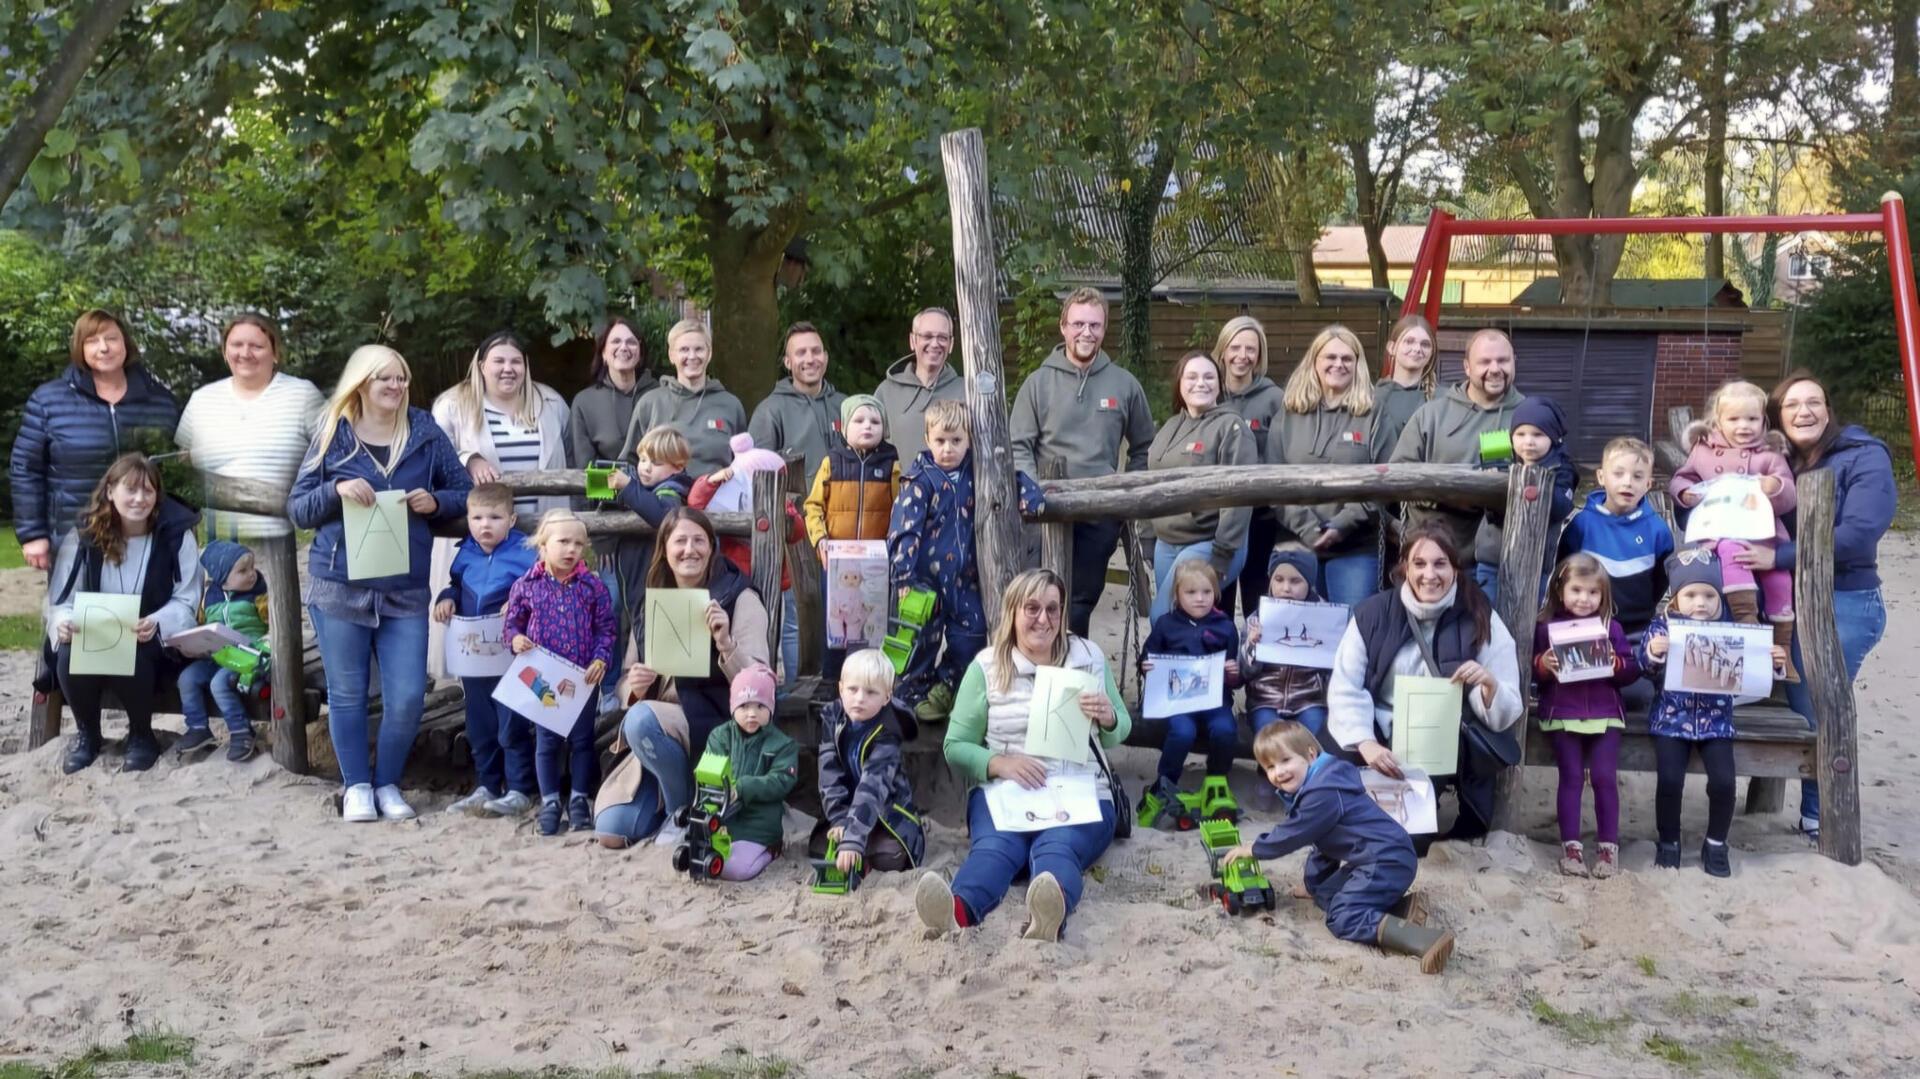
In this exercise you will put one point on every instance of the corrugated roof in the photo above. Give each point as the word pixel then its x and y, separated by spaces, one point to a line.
pixel 1346 245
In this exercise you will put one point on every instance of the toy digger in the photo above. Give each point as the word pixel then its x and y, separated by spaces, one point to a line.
pixel 1184 809
pixel 903 629
pixel 703 854
pixel 1238 886
pixel 829 878
pixel 251 666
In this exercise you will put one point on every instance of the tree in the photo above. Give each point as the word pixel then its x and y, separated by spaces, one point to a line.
pixel 27 134
pixel 1391 120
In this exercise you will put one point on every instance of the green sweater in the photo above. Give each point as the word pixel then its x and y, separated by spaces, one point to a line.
pixel 766 765
pixel 966 745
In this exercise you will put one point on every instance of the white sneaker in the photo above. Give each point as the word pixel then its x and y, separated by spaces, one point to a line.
pixel 472 803
pixel 392 806
pixel 670 835
pixel 510 804
pixel 1046 908
pixel 933 902
pixel 357 805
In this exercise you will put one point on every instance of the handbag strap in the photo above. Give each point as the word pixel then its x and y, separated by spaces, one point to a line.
pixel 1426 650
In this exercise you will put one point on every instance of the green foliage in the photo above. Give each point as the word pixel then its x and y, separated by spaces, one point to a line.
pixel 149 1047
pixel 1845 333
pixel 1581 1028
pixel 20 633
pixel 1646 965
pixel 10 556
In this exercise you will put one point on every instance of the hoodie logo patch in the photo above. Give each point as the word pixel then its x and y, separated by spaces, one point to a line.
pixel 1196 447
pixel 1253 425
pixel 836 427
pixel 1108 404
pixel 1355 437
pixel 716 425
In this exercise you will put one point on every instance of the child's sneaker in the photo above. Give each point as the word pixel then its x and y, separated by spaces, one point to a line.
pixel 240 746
pixel 472 803
pixel 580 813
pixel 550 812
pixel 937 707
pixel 1606 860
pixel 510 804
pixel 1714 859
pixel 1667 855
pixel 1573 861
pixel 196 740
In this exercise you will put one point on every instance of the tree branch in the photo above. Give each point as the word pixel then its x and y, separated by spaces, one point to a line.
pixel 42 110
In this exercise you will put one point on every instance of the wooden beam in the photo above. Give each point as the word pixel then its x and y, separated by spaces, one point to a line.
pixel 1523 548
pixel 1056 537
pixel 287 720
pixel 769 550
pixel 998 539
pixel 807 594
pixel 1167 491
pixel 1824 668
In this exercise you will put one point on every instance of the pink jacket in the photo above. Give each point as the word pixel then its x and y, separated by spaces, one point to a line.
pixel 1710 455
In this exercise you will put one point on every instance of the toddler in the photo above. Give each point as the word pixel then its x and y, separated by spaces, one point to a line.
pixel 766 766
pixel 1195 627
pixel 235 598
pixel 864 791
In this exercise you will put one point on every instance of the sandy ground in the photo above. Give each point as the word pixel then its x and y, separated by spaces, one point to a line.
pixel 230 904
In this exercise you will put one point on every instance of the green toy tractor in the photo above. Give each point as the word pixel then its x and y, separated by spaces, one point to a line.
pixel 252 667
pixel 829 878
pixel 1184 809
pixel 911 615
pixel 703 854
pixel 1238 886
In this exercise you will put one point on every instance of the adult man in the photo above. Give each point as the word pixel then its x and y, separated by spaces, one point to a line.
pixel 1080 406
pixel 917 380
pixel 1447 429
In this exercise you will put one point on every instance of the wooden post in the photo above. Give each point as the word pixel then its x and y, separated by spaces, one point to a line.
pixel 1825 671
pixel 1056 537
pixel 43 721
pixel 809 600
pixel 287 722
pixel 769 550
pixel 1522 550
pixel 997 528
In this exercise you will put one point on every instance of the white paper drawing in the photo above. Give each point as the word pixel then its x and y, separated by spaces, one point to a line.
pixel 1409 801
pixel 203 641
pixel 1733 507
pixel 1723 658
pixel 546 689
pixel 1180 684
pixel 1063 800
pixel 477 647
pixel 1584 648
pixel 1298 634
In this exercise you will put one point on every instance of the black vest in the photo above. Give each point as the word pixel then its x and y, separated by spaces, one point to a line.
pixel 174 521
pixel 1387 627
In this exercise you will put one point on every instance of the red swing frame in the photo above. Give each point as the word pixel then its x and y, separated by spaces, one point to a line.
pixel 1436 248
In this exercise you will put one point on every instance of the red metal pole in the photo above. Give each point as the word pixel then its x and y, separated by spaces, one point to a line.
pixel 1410 304
pixel 1606 226
pixel 1437 279
pixel 1906 309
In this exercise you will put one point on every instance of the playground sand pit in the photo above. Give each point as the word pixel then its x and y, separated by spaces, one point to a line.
pixel 229 904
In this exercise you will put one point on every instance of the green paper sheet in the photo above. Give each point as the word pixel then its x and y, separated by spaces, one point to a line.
pixel 376 536
pixel 103 640
pixel 1426 724
pixel 1056 728
pixel 677 641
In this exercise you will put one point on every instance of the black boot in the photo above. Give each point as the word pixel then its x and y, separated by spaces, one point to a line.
pixel 1667 855
pixel 81 752
pixel 143 749
pixel 1714 859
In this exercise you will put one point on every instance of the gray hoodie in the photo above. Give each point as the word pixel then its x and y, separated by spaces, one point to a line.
pixel 1327 436
pixel 1394 405
pixel 905 401
pixel 708 417
pixel 1217 437
pixel 600 416
pixel 1447 430
pixel 790 422
pixel 1259 404
pixel 1081 417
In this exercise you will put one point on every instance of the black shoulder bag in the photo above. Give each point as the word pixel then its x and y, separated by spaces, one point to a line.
pixel 1481 739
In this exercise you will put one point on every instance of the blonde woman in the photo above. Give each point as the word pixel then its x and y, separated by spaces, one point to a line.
pixel 690 402
pixel 371 440
pixel 1248 393
pixel 985 742
pixel 1413 364
pixel 1328 419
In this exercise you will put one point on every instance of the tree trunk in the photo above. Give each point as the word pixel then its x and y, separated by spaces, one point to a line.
pixel 1903 101
pixel 1373 216
pixel 28 134
pixel 1714 180
pixel 746 308
pixel 1139 209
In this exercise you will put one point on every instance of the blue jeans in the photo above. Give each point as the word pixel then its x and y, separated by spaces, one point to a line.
pixel 635 820
pixel 501 742
pixel 1355 897
pixel 1348 578
pixel 201 676
pixel 1165 555
pixel 610 686
pixel 1861 618
pixel 347 652
pixel 995 858
pixel 1223 737
pixel 789 640
pixel 664 758
pixel 1313 718
pixel 570 757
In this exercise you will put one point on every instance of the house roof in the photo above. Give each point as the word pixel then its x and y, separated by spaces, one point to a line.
pixel 1346 245
pixel 1642 292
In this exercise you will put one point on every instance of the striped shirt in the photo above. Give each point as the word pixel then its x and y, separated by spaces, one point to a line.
pixel 515 449
pixel 262 439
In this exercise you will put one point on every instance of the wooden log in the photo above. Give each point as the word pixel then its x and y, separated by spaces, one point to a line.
pixel 43 720
pixel 1056 537
pixel 287 722
pixel 1523 548
pixel 807 597
pixel 1002 550
pixel 1168 491
pixel 1825 671
pixel 769 549
pixel 1139 561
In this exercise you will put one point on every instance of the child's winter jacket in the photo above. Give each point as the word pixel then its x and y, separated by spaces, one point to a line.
pixel 572 617
pixel 863 784
pixel 766 765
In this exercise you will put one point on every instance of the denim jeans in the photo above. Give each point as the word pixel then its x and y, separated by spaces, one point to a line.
pixel 789 639
pixel 1313 718
pixel 570 757
pixel 1093 546
pixel 635 820
pixel 1861 618
pixel 1164 557
pixel 347 651
pixel 501 741
pixel 1349 578
pixel 1223 738
pixel 664 758
pixel 995 858
pixel 201 676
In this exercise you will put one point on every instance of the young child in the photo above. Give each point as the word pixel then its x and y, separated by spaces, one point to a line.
pixel 1585 717
pixel 1734 440
pixel 660 465
pixel 1195 627
pixel 1683 722
pixel 854 490
pixel 1539 434
pixel 930 544
pixel 1362 861
pixel 746 461
pixel 486 565
pixel 766 765
pixel 562 606
pixel 1624 534
pixel 236 598
pixel 864 791
pixel 1276 691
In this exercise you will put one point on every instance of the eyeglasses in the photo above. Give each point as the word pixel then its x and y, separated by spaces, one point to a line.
pixel 935 338
pixel 391 380
pixel 1086 327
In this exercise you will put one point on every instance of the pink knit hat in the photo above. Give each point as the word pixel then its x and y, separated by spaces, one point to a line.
pixel 748 460
pixel 752 686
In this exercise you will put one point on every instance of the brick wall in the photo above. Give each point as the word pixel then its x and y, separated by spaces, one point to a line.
pixel 1688 367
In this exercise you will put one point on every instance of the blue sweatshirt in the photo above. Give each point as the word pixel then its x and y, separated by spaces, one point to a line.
pixel 1175 634
pixel 1333 813
pixel 481 579
pixel 1632 548
pixel 1862 470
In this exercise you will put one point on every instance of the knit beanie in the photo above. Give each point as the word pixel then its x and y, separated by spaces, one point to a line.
pixel 748 460
pixel 752 686
pixel 1300 559
pixel 1544 413
pixel 1694 565
pixel 859 401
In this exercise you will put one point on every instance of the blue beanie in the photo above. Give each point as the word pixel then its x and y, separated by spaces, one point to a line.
pixel 1544 413
pixel 1300 559
pixel 1694 565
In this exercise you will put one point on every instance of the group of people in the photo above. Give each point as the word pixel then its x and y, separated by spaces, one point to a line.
pixel 895 465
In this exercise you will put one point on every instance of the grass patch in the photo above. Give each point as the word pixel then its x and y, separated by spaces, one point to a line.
pixel 1581 1028
pixel 1673 1052
pixel 10 556
pixel 19 633
pixel 1760 1060
pixel 1687 1004
pixel 1647 966
pixel 154 1046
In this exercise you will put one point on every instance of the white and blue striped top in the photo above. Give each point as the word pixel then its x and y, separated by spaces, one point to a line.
pixel 517 449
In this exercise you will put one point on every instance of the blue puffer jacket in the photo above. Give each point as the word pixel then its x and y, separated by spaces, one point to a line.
pixel 1862 470
pixel 68 437
pixel 1332 813
pixel 480 581
pixel 427 462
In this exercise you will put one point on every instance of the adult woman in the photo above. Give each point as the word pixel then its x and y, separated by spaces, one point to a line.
pixel 255 425
pixel 1199 433
pixel 1328 419
pixel 501 421
pixel 671 716
pixel 1393 633
pixel 1414 376
pixel 371 440
pixel 1863 509
pixel 74 426
pixel 1250 394
pixel 699 406
pixel 986 740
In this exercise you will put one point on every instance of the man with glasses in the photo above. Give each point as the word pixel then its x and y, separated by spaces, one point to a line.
pixel 1080 406
pixel 917 380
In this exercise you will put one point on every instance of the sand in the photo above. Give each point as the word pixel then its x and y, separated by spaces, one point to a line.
pixel 228 903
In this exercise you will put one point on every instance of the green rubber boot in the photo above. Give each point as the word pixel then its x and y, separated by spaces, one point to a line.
pixel 1432 947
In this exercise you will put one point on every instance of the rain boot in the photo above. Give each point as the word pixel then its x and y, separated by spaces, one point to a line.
pixel 1783 638
pixel 1744 607
pixel 1431 946
pixel 1412 907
